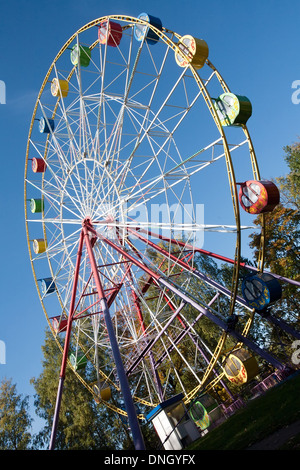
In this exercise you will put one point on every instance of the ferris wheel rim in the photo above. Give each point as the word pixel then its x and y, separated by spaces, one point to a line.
pixel 171 44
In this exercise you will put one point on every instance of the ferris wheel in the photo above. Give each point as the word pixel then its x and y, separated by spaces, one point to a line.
pixel 135 153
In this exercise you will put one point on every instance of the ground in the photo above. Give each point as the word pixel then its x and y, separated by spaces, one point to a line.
pixel 280 439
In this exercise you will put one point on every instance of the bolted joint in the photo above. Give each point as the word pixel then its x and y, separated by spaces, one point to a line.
pixel 87 223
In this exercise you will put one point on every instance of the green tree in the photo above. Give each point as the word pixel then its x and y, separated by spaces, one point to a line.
pixel 282 253
pixel 290 184
pixel 15 422
pixel 282 250
pixel 82 423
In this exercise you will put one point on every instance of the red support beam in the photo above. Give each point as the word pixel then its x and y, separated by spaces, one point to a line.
pixel 187 298
pixel 66 345
pixel 129 405
pixel 88 230
pixel 216 256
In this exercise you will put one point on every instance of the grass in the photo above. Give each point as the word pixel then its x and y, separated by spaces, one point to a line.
pixel 278 407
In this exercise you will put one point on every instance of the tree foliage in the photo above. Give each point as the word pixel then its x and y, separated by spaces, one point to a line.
pixel 15 421
pixel 290 184
pixel 282 254
pixel 82 424
pixel 282 250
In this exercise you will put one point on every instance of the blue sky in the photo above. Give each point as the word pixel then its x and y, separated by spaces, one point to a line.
pixel 254 44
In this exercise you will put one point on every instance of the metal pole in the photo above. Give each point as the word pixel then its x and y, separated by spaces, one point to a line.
pixel 189 299
pixel 66 347
pixel 217 256
pixel 278 322
pixel 157 337
pixel 222 324
pixel 132 417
